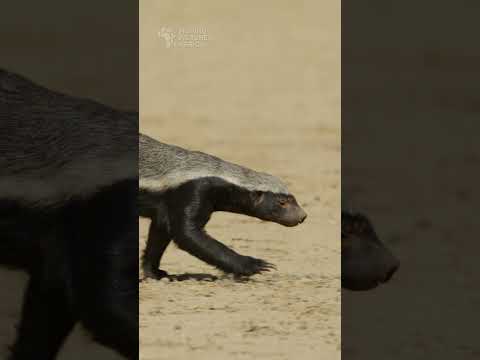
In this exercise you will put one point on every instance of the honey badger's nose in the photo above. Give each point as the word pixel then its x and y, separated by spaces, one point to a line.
pixel 302 216
pixel 391 271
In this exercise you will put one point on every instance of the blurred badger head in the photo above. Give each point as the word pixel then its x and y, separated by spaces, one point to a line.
pixel 366 261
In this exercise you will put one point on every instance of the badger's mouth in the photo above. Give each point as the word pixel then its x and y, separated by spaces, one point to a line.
pixel 292 223
pixel 359 284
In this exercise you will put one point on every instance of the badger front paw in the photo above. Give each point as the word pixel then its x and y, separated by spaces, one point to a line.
pixel 248 266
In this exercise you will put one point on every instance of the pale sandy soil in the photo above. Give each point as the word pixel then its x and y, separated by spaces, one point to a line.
pixel 263 91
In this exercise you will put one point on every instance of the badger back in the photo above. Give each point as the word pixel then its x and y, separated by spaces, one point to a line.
pixel 164 166
pixel 54 146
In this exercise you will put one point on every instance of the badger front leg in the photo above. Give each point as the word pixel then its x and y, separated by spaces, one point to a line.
pixel 189 213
pixel 198 243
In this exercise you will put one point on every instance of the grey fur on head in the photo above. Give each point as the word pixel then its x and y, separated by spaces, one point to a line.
pixel 164 166
pixel 54 146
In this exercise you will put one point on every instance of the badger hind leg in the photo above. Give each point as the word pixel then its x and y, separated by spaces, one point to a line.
pixel 47 313
pixel 157 242
pixel 108 295
pixel 104 252
pixel 46 322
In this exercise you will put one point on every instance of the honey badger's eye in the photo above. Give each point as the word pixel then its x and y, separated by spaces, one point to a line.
pixel 347 229
pixel 359 227
pixel 283 202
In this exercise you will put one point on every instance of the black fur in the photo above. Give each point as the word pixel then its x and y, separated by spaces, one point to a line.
pixel 83 265
pixel 366 261
pixel 68 193
pixel 182 213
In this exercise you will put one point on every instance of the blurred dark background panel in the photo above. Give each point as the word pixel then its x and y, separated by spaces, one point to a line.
pixel 86 48
pixel 410 161
pixel 83 48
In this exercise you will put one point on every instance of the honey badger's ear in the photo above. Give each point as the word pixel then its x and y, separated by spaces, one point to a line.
pixel 362 225
pixel 356 224
pixel 257 197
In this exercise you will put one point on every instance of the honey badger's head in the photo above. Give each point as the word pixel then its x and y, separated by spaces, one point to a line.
pixel 366 261
pixel 267 196
pixel 280 208
pixel 263 196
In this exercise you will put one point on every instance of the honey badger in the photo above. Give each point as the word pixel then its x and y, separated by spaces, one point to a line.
pixel 68 194
pixel 366 261
pixel 180 189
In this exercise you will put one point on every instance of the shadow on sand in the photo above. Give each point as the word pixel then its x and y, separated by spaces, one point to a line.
pixel 203 277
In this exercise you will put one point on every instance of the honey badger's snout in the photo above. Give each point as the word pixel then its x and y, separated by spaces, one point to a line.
pixel 366 261
pixel 301 215
pixel 280 208
pixel 294 215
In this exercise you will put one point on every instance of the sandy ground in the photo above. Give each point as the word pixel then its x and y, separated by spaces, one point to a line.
pixel 262 91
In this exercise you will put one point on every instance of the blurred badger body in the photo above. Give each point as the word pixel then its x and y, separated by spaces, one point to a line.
pixel 64 164
pixel 366 261
pixel 54 147
pixel 179 189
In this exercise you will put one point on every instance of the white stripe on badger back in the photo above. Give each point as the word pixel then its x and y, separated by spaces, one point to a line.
pixel 80 179
pixel 54 146
pixel 163 166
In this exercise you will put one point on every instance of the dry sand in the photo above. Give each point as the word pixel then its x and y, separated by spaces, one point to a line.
pixel 262 91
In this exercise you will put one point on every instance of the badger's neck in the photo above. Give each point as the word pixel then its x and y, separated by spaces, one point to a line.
pixel 230 197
